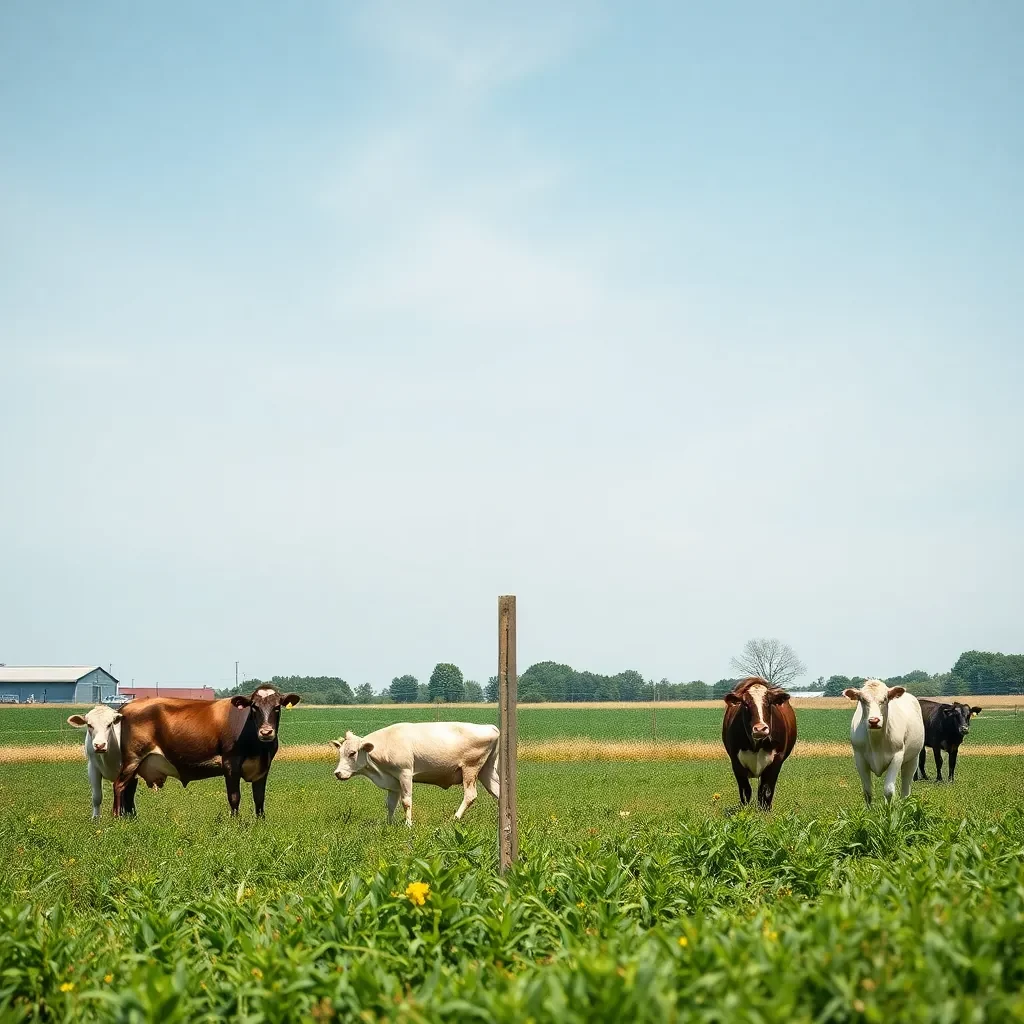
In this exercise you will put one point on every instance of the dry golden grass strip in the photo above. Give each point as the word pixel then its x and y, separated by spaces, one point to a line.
pixel 565 749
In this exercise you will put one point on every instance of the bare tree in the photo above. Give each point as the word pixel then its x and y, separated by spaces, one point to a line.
pixel 770 659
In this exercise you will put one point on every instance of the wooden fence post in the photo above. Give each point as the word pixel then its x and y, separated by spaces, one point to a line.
pixel 508 826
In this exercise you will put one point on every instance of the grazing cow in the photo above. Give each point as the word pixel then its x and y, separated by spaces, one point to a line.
pixel 102 748
pixel 945 726
pixel 887 734
pixel 165 737
pixel 438 753
pixel 759 732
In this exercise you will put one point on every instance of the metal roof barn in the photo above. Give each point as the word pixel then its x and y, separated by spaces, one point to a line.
pixel 57 684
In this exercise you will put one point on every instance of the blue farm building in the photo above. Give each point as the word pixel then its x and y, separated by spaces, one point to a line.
pixel 56 684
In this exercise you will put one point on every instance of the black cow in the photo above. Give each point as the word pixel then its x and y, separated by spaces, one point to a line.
pixel 945 726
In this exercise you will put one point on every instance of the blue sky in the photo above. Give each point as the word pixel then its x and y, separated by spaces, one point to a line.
pixel 323 325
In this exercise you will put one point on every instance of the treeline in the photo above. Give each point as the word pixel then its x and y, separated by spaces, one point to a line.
pixel 974 672
pixel 549 681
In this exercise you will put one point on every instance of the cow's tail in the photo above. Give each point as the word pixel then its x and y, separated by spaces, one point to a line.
pixel 489 772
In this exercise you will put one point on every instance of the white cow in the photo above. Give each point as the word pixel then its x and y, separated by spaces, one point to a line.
pixel 887 733
pixel 439 753
pixel 102 748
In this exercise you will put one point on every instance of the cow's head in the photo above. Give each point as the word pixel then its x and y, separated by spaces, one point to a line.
pixel 353 752
pixel 874 697
pixel 755 698
pixel 265 709
pixel 959 716
pixel 100 724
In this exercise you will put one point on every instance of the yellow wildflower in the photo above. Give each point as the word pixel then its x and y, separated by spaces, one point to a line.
pixel 68 986
pixel 418 893
pixel 257 973
pixel 581 904
pixel 553 818
pixel 108 978
pixel 623 814
pixel 683 941
pixel 858 1005
pixel 715 797
pixel 769 933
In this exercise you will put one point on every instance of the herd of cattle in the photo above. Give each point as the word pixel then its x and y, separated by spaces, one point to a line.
pixel 157 738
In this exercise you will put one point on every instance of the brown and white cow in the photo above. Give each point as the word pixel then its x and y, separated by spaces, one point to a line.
pixel 759 732
pixel 164 737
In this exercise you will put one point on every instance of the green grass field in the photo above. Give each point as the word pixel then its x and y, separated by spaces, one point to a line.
pixel 41 725
pixel 641 895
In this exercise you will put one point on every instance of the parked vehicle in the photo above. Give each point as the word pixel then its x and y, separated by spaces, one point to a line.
pixel 116 700
pixel 9 698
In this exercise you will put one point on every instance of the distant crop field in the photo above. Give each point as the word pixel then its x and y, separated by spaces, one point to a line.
pixel 623 723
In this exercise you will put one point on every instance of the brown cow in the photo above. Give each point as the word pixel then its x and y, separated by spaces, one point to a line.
pixel 759 732
pixel 165 737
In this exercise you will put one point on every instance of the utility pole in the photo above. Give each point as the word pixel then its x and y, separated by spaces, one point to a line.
pixel 508 824
pixel 236 675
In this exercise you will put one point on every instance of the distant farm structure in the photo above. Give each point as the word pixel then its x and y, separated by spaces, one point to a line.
pixel 56 684
pixel 188 692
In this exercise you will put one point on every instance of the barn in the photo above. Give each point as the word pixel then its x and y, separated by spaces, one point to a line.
pixel 57 684
pixel 190 692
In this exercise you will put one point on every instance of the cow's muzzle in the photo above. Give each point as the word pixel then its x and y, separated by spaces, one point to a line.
pixel 760 732
pixel 874 723
pixel 100 748
pixel 341 776
pixel 267 734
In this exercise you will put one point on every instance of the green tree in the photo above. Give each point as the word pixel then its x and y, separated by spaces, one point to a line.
pixel 422 694
pixel 630 685
pixel 404 689
pixel 836 684
pixel 446 684
pixel 474 692
pixel 491 690
pixel 544 681
pixel 364 694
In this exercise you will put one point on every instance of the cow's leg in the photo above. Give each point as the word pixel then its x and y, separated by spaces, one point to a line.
pixel 895 765
pixel 952 762
pixel 128 799
pixel 391 802
pixel 259 793
pixel 405 786
pixel 96 782
pixel 921 773
pixel 742 781
pixel 907 775
pixel 488 777
pixel 124 776
pixel 766 785
pixel 233 781
pixel 865 775
pixel 468 791
pixel 938 765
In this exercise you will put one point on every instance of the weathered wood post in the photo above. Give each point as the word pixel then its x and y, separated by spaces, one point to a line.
pixel 508 808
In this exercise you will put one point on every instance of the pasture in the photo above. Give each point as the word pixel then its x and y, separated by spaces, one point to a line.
pixel 641 895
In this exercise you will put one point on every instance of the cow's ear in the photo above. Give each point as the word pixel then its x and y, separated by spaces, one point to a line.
pixel 289 700
pixel 366 745
pixel 851 693
pixel 732 698
pixel 336 743
pixel 897 691
pixel 947 709
pixel 778 697
pixel 241 702
pixel 117 718
pixel 975 711
pixel 77 721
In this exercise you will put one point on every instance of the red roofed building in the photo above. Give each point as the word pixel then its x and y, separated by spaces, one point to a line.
pixel 191 692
